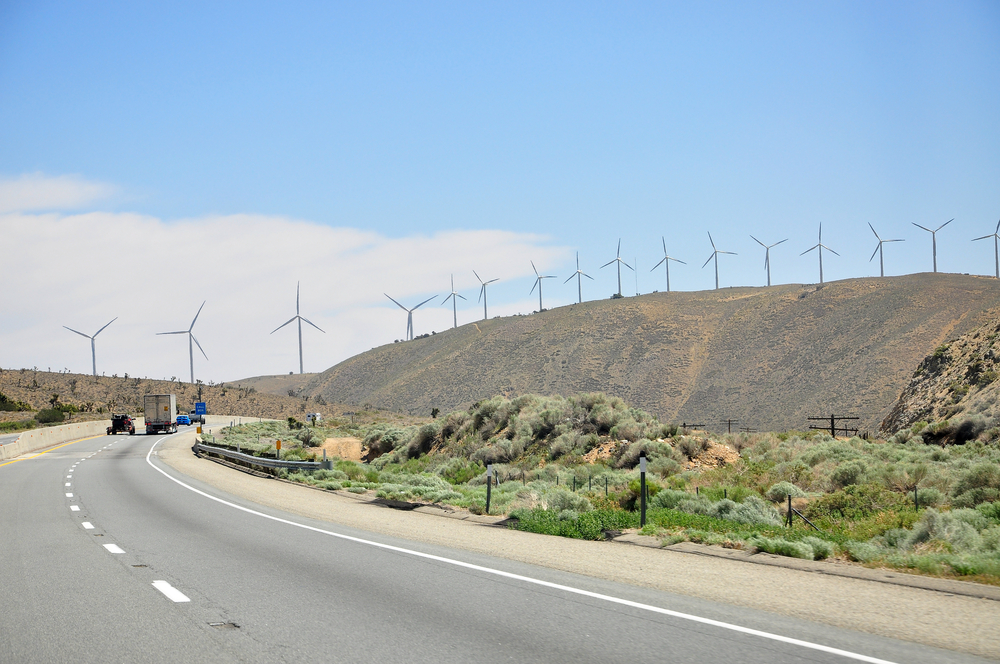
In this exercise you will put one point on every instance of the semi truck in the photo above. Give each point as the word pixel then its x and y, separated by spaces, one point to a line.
pixel 160 411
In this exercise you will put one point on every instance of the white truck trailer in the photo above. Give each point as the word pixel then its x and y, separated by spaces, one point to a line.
pixel 160 411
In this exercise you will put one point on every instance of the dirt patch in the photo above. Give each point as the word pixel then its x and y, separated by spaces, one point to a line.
pixel 344 448
pixel 602 452
pixel 715 456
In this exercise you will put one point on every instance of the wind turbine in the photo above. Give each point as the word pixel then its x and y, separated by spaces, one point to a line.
pixel 454 300
pixel 300 319
pixel 482 292
pixel 820 246
pixel 878 250
pixel 767 255
pixel 666 261
pixel 538 282
pixel 934 237
pixel 579 281
pixel 715 255
pixel 409 315
pixel 191 339
pixel 618 259
pixel 93 351
pixel 996 254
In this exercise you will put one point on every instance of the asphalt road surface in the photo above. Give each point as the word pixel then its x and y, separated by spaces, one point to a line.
pixel 108 555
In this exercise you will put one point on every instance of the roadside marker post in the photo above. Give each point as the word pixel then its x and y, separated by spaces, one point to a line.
pixel 489 485
pixel 277 451
pixel 642 489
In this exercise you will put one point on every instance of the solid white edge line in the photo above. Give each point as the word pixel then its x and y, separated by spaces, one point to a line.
pixel 172 593
pixel 114 548
pixel 527 579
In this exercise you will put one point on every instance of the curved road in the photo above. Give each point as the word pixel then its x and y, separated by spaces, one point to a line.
pixel 108 555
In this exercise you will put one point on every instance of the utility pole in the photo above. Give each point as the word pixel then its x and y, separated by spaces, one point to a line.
pixel 729 424
pixel 832 428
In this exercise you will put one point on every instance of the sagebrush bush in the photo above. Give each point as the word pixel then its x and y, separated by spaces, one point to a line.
pixel 782 547
pixel 782 490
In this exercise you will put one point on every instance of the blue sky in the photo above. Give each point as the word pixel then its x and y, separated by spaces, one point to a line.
pixel 380 147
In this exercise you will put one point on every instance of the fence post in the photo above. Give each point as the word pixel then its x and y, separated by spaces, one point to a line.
pixel 789 510
pixel 916 503
pixel 605 486
pixel 642 489
pixel 489 485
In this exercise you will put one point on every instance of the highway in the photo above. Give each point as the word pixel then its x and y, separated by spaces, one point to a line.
pixel 109 555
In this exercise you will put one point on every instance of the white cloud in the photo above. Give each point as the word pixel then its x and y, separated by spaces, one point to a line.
pixel 82 270
pixel 37 191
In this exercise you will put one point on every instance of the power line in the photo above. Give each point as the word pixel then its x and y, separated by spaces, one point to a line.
pixel 832 427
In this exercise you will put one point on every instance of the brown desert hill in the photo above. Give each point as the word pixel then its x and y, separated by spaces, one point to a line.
pixel 766 357
pixel 285 384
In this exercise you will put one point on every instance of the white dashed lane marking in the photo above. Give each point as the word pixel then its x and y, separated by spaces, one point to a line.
pixel 74 508
pixel 172 593
pixel 69 484
pixel 114 548
pixel 69 495
pixel 87 525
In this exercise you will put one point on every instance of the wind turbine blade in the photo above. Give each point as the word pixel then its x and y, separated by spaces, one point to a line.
pixel 711 240
pixel 198 314
pixel 664 240
pixel 973 239
pixel 482 290
pixel 195 340
pixel 944 224
pixel 180 332
pixel 998 228
pixel 662 261
pixel 537 281
pixel 759 242
pixel 80 333
pixel 102 329
pixel 777 243
pixel 830 250
pixel 275 329
pixel 821 233
pixel 808 250
pixel 731 253
pixel 619 252
pixel 873 231
pixel 533 267
pixel 570 277
pixel 628 266
pixel 923 227
pixel 894 240
pixel 397 304
pixel 677 260
pixel 709 259
pixel 875 252
pixel 297 298
pixel 423 303
pixel 461 296
pixel 313 324
pixel 607 264
pixel 587 275
pixel 492 280
pixel 477 276
pixel 447 297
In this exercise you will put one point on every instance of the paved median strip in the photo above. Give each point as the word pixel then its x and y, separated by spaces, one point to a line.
pixel 172 593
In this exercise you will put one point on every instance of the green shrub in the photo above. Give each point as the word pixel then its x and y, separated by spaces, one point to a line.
pixel 856 502
pixel 848 473
pixel 864 552
pixel 990 510
pixel 11 405
pixel 558 499
pixel 929 497
pixel 782 547
pixel 978 484
pixel 49 416
pixel 821 549
pixel 782 490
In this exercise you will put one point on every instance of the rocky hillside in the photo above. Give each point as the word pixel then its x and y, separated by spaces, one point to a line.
pixel 768 358
pixel 958 377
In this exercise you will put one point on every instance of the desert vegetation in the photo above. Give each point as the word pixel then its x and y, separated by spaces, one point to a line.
pixel 927 499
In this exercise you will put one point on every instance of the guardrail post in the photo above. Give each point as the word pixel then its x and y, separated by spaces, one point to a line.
pixel 327 463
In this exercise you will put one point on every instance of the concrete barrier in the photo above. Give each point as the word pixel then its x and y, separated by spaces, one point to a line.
pixel 38 439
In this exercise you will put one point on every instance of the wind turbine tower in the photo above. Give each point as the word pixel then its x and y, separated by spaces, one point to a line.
pixel 192 342
pixel 579 281
pixel 878 250
pixel 538 282
pixel 666 261
pixel 482 293
pixel 934 237
pixel 996 253
pixel 820 247
pixel 767 255
pixel 715 255
pixel 93 350
pixel 454 300
pixel 618 259
pixel 409 315
pixel 300 319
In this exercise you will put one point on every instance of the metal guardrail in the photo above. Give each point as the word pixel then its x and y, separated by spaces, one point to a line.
pixel 249 459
